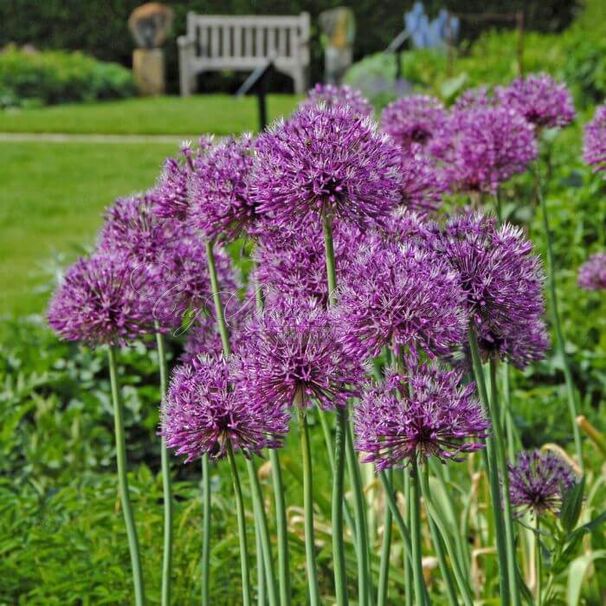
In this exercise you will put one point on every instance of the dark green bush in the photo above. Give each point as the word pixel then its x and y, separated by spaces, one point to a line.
pixel 50 77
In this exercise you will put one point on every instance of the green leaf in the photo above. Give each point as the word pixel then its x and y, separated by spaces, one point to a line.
pixel 576 575
pixel 571 506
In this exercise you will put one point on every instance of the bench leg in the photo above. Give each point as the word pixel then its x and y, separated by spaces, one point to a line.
pixel 300 81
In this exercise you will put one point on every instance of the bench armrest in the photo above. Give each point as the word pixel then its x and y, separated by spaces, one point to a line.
pixel 186 42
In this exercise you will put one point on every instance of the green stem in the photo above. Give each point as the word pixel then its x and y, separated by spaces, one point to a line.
pixel 504 475
pixel 385 554
pixel 415 532
pixel 338 541
pixel 397 516
pixel 308 508
pixel 166 483
pixel 409 597
pixel 538 560
pixel 282 528
pixel 490 461
pixel 262 531
pixel 441 532
pixel 205 531
pixel 555 315
pixel 261 600
pixel 365 591
pixel 446 574
pixel 129 520
pixel 214 283
pixel 241 527
pixel 509 423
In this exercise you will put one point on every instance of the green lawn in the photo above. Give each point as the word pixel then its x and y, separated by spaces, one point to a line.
pixel 219 114
pixel 51 200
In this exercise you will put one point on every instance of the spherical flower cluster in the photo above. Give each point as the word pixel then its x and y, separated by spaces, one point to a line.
pixel 330 95
pixel 592 275
pixel 544 102
pixel 480 148
pixel 401 296
pixel 538 481
pixel 102 299
pixel 413 119
pixel 294 355
pixel 172 190
pixel 220 202
pixel 422 186
pixel 473 98
pixel 426 413
pixel 503 282
pixel 207 412
pixel 594 142
pixel 293 262
pixel 326 160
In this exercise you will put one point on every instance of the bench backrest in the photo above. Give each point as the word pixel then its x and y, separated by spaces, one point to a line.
pixel 241 42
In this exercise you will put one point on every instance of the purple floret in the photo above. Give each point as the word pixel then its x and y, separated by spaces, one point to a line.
pixel 293 355
pixel 594 142
pixel 331 95
pixel 103 299
pixel 413 120
pixel 326 160
pixel 538 481
pixel 503 282
pixel 544 102
pixel 425 413
pixel 207 412
pixel 422 184
pixel 401 296
pixel 592 275
pixel 481 148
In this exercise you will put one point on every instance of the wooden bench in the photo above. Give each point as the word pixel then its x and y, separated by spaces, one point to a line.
pixel 218 42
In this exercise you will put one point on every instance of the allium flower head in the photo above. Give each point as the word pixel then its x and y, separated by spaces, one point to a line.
pixel 132 228
pixel 592 275
pixel 503 280
pixel 220 201
pixel 422 185
pixel 538 481
pixel 331 95
pixel 326 160
pixel 426 413
pixel 473 98
pixel 401 296
pixel 206 412
pixel 294 355
pixel 594 142
pixel 413 119
pixel 544 102
pixel 172 190
pixel 102 299
pixel 481 148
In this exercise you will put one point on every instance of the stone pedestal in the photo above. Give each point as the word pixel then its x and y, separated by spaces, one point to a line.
pixel 148 70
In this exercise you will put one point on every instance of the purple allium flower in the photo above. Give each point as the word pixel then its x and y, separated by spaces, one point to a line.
pixel 503 281
pixel 326 160
pixel 404 227
pixel 207 412
pixel 401 296
pixel 538 481
pixel 220 201
pixel 473 98
pixel 102 299
pixel 422 186
pixel 592 275
pixel 293 261
pixel 426 413
pixel 293 355
pixel 594 142
pixel 172 190
pixel 481 148
pixel 330 95
pixel 544 102
pixel 413 119
pixel 132 228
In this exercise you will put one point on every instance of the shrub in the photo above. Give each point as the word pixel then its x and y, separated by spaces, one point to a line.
pixel 57 77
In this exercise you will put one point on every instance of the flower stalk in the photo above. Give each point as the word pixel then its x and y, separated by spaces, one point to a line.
pixel 129 520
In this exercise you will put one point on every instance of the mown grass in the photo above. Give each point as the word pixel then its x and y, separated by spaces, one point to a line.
pixel 218 114
pixel 51 203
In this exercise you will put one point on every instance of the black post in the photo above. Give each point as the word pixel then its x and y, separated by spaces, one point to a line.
pixel 258 83
pixel 396 47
